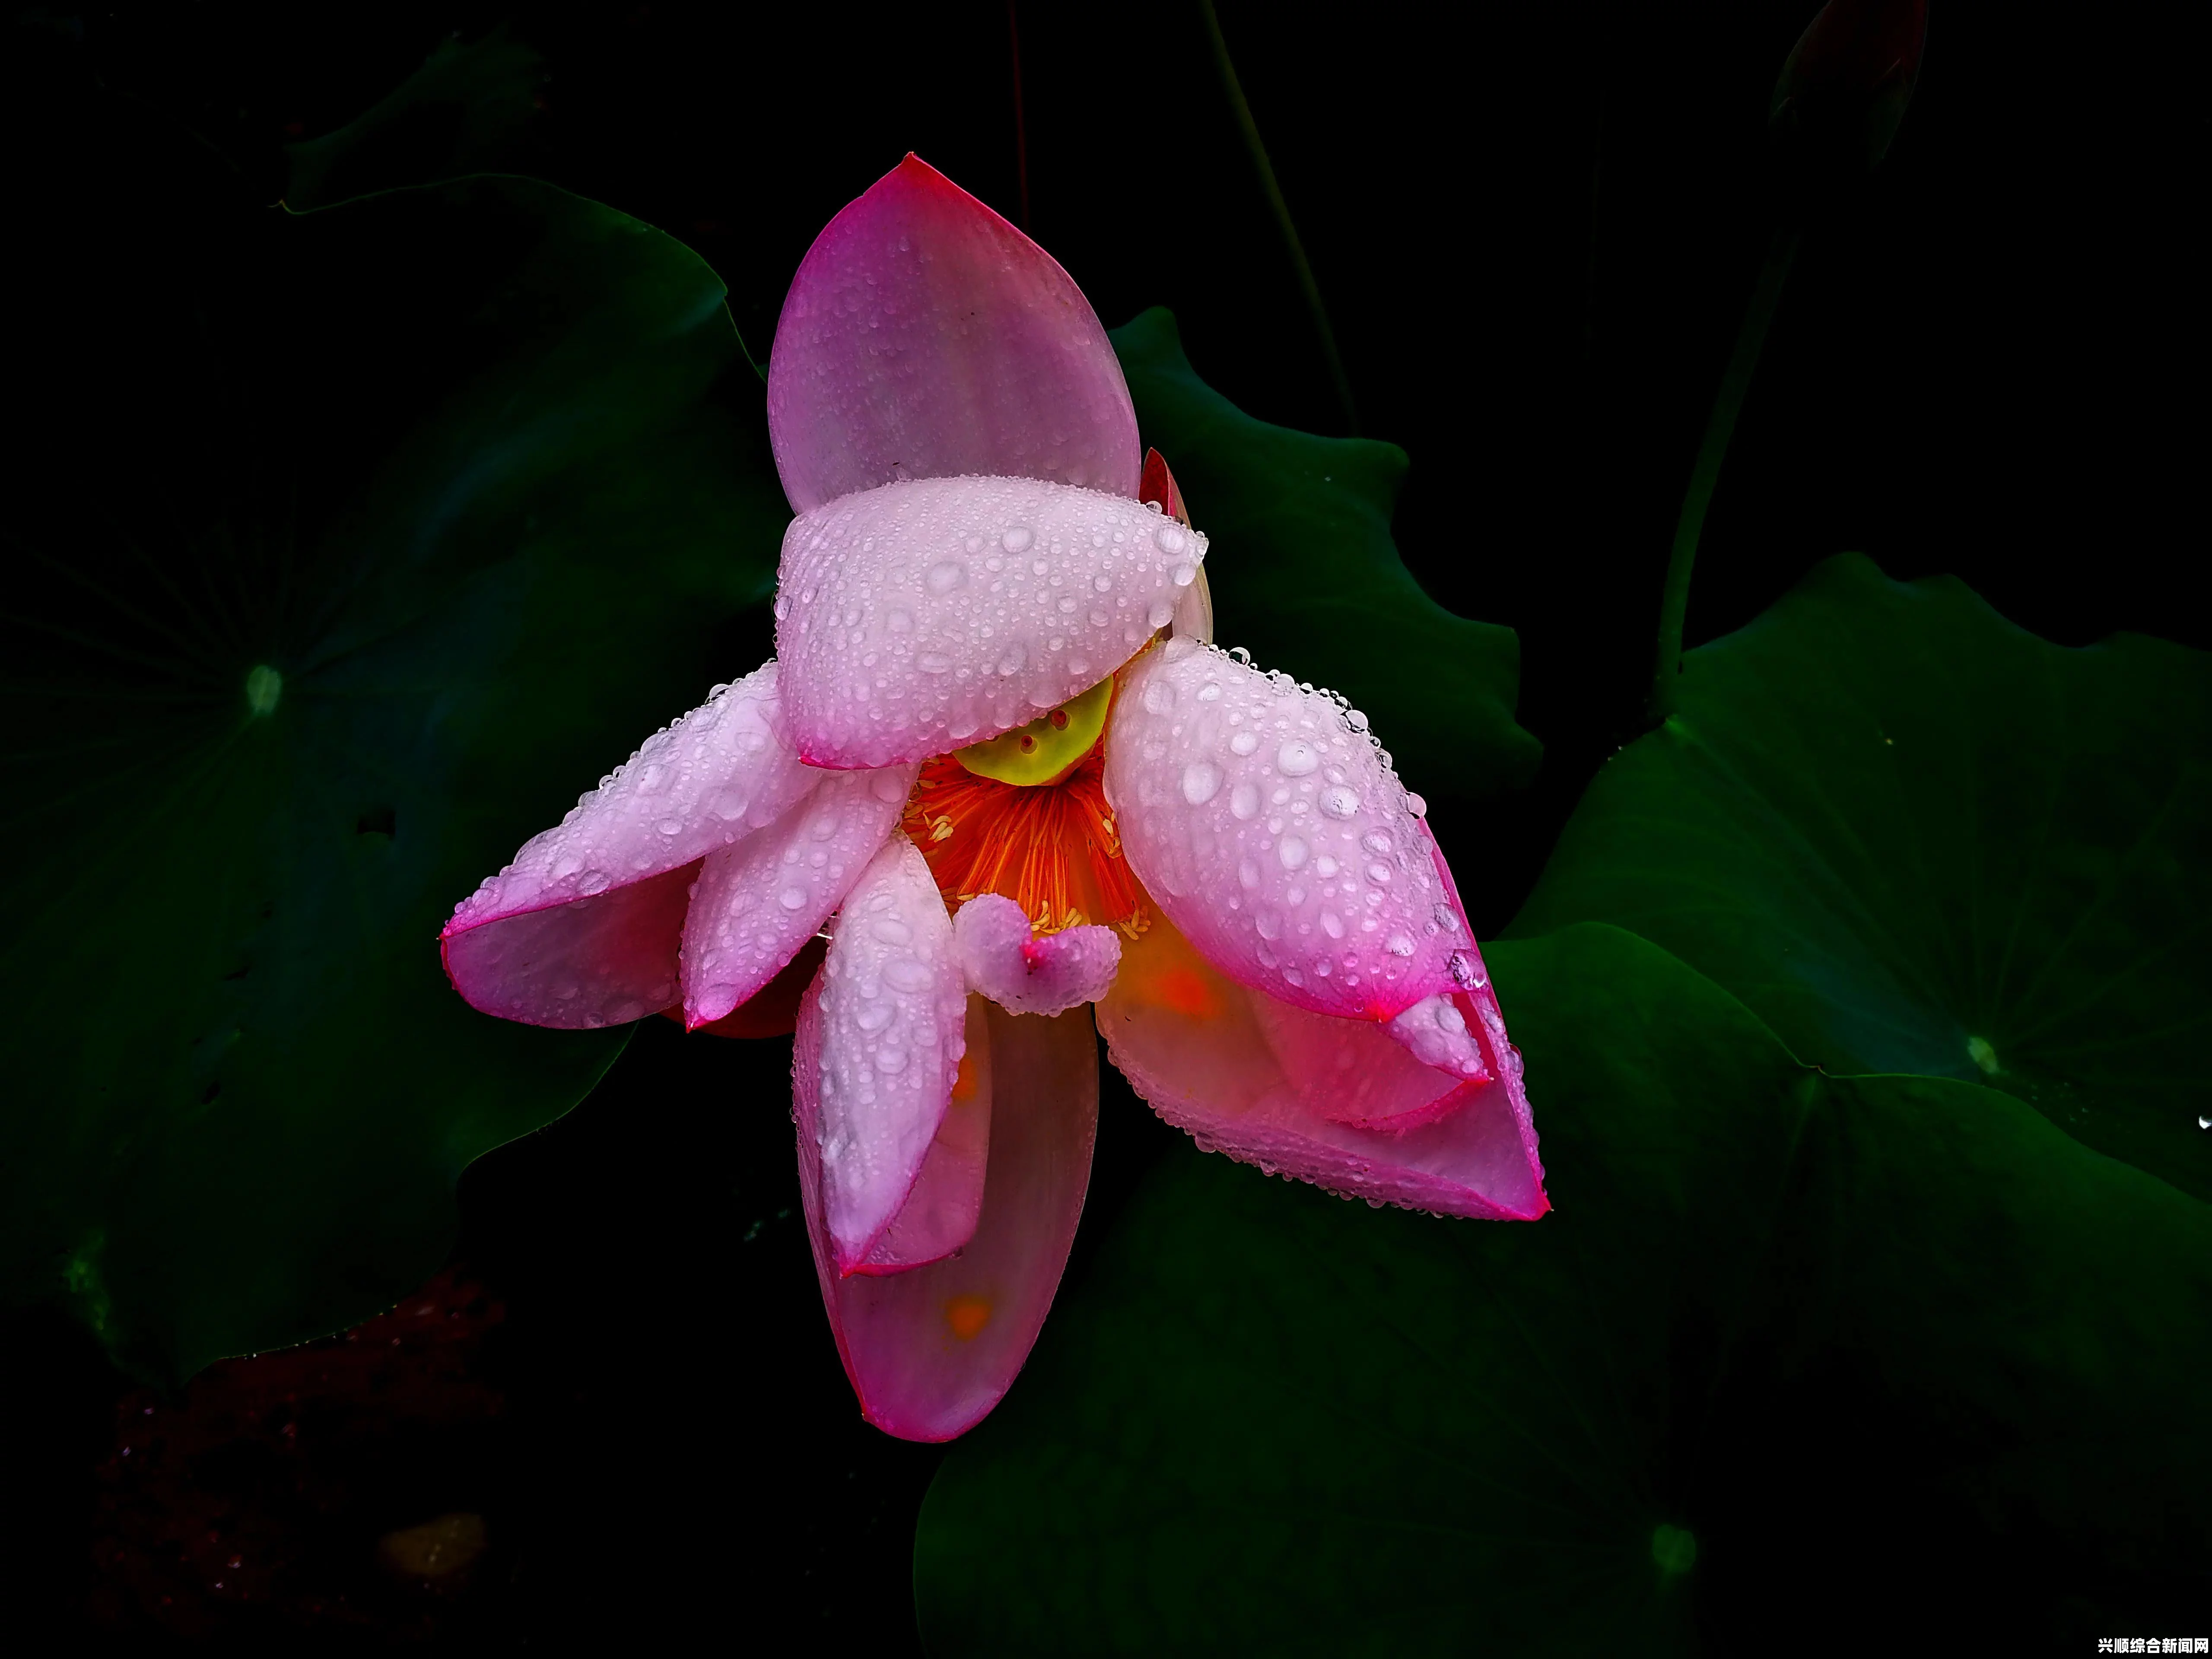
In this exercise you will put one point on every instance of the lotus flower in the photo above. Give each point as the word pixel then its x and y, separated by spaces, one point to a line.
pixel 998 764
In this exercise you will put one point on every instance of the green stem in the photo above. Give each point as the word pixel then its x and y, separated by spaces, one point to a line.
pixel 1720 426
pixel 1307 286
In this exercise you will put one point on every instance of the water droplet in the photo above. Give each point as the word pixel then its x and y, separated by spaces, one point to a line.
pixel 1017 538
pixel 1292 851
pixel 782 606
pixel 1243 742
pixel 1011 663
pixel 874 1014
pixel 1378 873
pixel 1339 802
pixel 1244 801
pixel 1247 874
pixel 1297 757
pixel 890 1059
pixel 891 931
pixel 1269 923
pixel 1331 924
pixel 899 620
pixel 933 662
pixel 905 973
pixel 1170 539
pixel 1183 575
pixel 944 578
pixel 1416 805
pixel 1159 696
pixel 1399 945
pixel 791 898
pixel 1464 972
pixel 1161 613
pixel 1201 779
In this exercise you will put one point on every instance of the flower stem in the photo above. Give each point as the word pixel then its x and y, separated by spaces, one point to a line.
pixel 1258 151
pixel 1720 425
pixel 1021 124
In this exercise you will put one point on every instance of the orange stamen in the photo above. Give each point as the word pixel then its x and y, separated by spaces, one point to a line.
pixel 1051 847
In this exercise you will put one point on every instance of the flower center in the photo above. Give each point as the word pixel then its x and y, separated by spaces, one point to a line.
pixel 1032 823
pixel 1047 748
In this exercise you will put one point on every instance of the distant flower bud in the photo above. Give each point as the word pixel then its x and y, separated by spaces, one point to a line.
pixel 1843 90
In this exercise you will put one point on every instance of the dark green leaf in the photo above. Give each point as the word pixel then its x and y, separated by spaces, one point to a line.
pixel 466 110
pixel 1795 1363
pixel 340 572
pixel 1304 574
pixel 1915 838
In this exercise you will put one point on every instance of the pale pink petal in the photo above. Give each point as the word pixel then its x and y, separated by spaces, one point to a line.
pixel 602 961
pixel 1026 975
pixel 931 1352
pixel 918 617
pixel 893 1012
pixel 528 943
pixel 939 1215
pixel 759 901
pixel 924 338
pixel 1267 823
pixel 1334 1101
pixel 1435 1030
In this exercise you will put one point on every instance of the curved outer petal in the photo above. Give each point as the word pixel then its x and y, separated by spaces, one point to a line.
pixel 558 938
pixel 893 1011
pixel 924 338
pixel 1333 1102
pixel 1270 828
pixel 594 961
pixel 931 1352
pixel 758 902
pixel 1026 975
pixel 921 617
pixel 939 1215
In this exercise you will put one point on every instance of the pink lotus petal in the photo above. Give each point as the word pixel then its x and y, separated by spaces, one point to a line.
pixel 893 1010
pixel 1435 1030
pixel 759 901
pixel 939 1215
pixel 931 1352
pixel 917 617
pixel 1267 825
pixel 593 962
pixel 714 777
pixel 1026 975
pixel 1274 1085
pixel 924 338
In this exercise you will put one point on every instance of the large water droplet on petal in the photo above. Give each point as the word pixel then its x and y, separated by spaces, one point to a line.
pixel 1200 781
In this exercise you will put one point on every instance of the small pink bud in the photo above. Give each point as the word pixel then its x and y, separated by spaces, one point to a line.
pixel 1844 88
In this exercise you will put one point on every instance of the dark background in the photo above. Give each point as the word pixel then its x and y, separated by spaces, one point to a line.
pixel 1534 228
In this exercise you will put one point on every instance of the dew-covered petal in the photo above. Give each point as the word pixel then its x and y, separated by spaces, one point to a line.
pixel 923 337
pixel 1334 1101
pixel 919 617
pixel 1437 1032
pixel 939 1215
pixel 758 902
pixel 893 1012
pixel 715 775
pixel 931 1352
pixel 601 961
pixel 1026 975
pixel 1266 822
